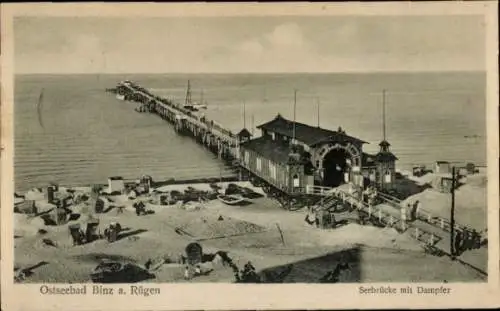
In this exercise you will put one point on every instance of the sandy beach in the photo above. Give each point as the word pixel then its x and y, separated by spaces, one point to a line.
pixel 247 233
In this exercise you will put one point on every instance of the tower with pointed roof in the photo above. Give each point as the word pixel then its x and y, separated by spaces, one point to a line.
pixel 385 159
pixel 244 135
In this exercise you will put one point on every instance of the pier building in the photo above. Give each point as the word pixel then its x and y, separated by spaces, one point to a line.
pixel 293 155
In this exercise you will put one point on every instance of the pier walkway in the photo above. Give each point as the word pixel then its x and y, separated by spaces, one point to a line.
pixel 218 139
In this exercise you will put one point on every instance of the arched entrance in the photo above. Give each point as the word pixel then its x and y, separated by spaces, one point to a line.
pixel 334 167
pixel 338 163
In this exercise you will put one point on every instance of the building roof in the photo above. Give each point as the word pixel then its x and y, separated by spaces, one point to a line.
pixel 307 134
pixel 384 144
pixel 368 160
pixel 244 133
pixel 273 150
pixel 442 162
pixel 386 156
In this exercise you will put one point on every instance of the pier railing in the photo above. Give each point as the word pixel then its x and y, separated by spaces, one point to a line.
pixel 422 214
pixel 319 190
pixel 185 119
pixel 382 217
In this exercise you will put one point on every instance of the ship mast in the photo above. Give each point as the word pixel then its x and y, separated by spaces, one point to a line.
pixel 253 123
pixel 294 113
pixel 317 104
pixel 244 116
pixel 383 114
pixel 188 94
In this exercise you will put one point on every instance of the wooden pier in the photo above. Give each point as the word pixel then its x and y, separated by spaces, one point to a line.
pixel 215 137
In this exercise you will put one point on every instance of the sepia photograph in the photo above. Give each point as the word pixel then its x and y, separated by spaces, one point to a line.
pixel 258 149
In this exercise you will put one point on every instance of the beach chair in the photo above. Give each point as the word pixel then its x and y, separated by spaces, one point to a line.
pixel 112 232
pixel 194 253
pixel 140 208
pixel 91 232
pixel 76 234
pixel 99 206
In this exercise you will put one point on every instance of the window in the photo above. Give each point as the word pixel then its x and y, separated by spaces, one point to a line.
pixel 247 157
pixel 372 175
pixel 272 168
pixel 259 164
pixel 296 180
pixel 273 136
pixel 387 177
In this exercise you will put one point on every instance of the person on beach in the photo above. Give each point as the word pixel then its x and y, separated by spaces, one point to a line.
pixel 310 217
pixel 197 270
pixel 187 275
pixel 466 241
pixel 236 273
pixel 148 263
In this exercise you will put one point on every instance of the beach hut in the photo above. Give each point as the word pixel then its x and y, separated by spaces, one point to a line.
pixel 116 184
pixel 443 183
pixel 471 168
pixel 418 170
pixel 51 194
pixel 99 206
pixel 146 182
pixel 442 167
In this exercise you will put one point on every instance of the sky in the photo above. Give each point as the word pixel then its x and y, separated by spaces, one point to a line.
pixel 248 44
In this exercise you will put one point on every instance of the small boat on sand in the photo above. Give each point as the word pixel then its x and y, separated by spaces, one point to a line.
pixel 231 199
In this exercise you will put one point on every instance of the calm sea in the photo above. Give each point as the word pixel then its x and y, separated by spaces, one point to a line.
pixel 88 135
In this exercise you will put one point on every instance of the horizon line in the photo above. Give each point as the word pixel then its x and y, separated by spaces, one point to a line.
pixel 253 72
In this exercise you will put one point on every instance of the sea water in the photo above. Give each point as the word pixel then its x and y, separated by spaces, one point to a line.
pixel 83 134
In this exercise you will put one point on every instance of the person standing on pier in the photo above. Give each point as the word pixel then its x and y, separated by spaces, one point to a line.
pixel 414 210
pixel 457 243
pixel 476 243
